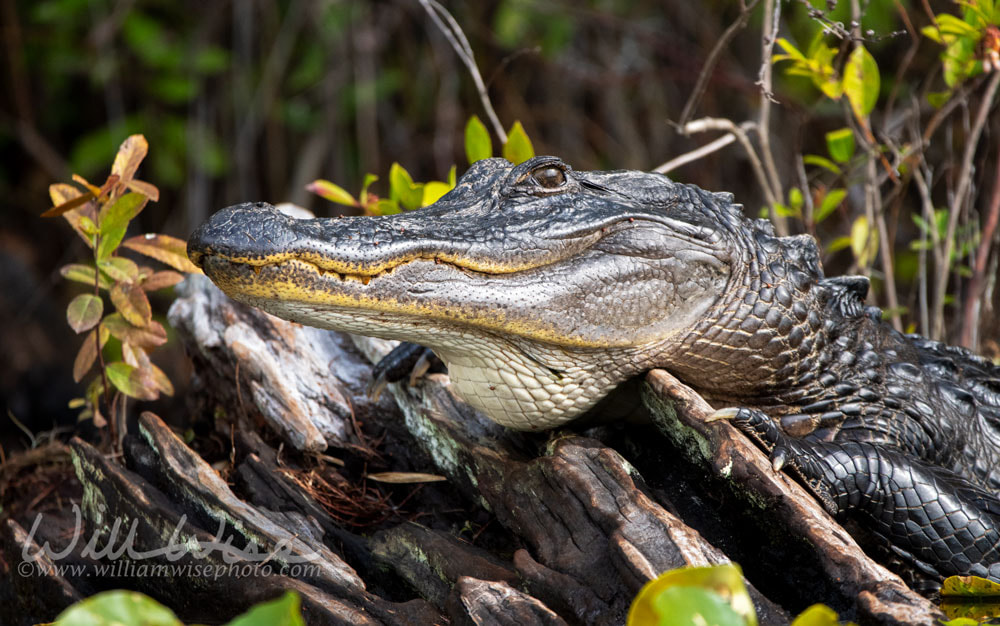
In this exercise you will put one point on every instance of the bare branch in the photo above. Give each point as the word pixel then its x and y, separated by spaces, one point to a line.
pixel 974 299
pixel 696 154
pixel 453 33
pixel 772 15
pixel 713 58
pixel 964 182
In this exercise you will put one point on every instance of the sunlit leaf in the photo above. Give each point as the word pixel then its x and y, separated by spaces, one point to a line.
pixel 332 192
pixel 817 615
pixel 147 189
pixel 119 268
pixel 518 148
pixel 693 595
pixel 93 189
pixel 795 198
pixel 861 82
pixel 815 159
pixel 938 99
pixel 84 312
pixel 831 200
pixel 386 206
pixel 85 274
pixel 165 249
pixel 969 586
pixel 130 381
pixel 840 144
pixel 149 337
pixel 403 189
pixel 433 190
pixel 864 241
pixel 88 352
pixel 478 144
pixel 69 205
pixel 363 194
pixel 281 612
pixel 132 303
pixel 130 154
pixel 162 280
pixel 113 608
pixel 840 243
pixel 120 212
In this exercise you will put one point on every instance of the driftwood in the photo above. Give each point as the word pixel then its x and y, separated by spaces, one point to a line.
pixel 566 531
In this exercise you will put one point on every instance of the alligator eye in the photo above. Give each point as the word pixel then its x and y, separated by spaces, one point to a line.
pixel 549 177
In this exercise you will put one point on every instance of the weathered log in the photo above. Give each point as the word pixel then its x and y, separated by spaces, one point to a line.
pixel 577 530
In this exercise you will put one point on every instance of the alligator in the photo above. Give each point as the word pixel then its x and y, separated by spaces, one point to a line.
pixel 543 289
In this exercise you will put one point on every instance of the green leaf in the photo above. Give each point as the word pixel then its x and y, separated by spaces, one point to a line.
pixel 119 268
pixel 795 199
pixel 387 206
pixel 791 51
pixel 402 189
pixel 117 607
pixel 433 190
pixel 518 148
pixel 130 381
pixel 152 335
pixel 84 312
pixel 363 195
pixel 120 212
pixel 838 244
pixel 950 25
pixel 819 161
pixel 332 192
pixel 864 241
pixel 938 99
pixel 84 274
pixel 831 200
pixel 452 176
pixel 840 144
pixel 693 595
pixel 817 615
pixel 281 612
pixel 478 145
pixel 969 586
pixel 861 82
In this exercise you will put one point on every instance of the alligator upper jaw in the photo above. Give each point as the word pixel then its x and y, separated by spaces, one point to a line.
pixel 259 235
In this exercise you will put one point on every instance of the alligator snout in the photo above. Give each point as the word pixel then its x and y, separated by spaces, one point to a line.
pixel 249 231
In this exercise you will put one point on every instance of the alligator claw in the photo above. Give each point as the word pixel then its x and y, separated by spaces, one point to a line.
pixel 778 458
pixel 723 414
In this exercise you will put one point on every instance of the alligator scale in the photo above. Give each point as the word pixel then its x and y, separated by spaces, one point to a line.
pixel 543 288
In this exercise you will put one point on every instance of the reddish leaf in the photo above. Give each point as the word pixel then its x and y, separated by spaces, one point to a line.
pixel 131 153
pixel 84 312
pixel 163 248
pixel 132 303
pixel 94 189
pixel 69 205
pixel 130 381
pixel 147 189
pixel 138 358
pixel 162 280
pixel 88 352
pixel 149 337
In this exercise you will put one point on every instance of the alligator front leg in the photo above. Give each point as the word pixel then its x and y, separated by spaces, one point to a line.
pixel 930 516
pixel 405 361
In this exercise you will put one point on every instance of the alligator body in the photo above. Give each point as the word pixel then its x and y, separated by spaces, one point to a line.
pixel 544 288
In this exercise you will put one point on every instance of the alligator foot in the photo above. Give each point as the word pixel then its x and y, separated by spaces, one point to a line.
pixel 930 516
pixel 405 360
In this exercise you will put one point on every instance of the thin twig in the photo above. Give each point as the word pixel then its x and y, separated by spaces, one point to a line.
pixel 718 123
pixel 772 16
pixel 974 298
pixel 696 154
pixel 453 33
pixel 713 58
pixel 964 183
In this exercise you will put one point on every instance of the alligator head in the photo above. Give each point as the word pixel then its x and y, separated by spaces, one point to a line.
pixel 542 288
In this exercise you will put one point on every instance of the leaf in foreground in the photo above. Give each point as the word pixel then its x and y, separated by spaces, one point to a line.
pixel 84 312
pixel 165 249
pixel 117 607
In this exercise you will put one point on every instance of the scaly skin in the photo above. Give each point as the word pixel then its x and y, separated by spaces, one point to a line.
pixel 542 289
